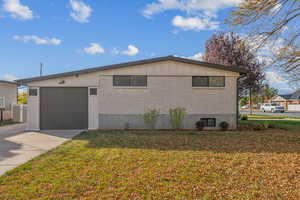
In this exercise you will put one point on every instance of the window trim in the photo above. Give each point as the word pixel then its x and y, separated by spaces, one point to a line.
pixel 3 106
pixel 209 86
pixel 36 93
pixel 90 93
pixel 130 85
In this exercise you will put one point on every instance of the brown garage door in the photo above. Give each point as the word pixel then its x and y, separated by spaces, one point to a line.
pixel 63 108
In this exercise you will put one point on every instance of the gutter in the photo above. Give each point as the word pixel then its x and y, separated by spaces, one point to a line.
pixel 129 64
pixel 237 99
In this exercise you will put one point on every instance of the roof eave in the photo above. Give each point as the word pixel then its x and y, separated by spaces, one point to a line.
pixel 8 82
pixel 128 64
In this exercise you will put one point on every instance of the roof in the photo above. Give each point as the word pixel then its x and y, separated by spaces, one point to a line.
pixel 285 96
pixel 128 64
pixel 293 96
pixel 8 82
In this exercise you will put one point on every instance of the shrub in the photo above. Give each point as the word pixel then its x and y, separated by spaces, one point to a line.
pixel 176 117
pixel 200 125
pixel 150 117
pixel 244 117
pixel 272 126
pixel 250 127
pixel 265 124
pixel 224 126
pixel 257 128
pixel 127 126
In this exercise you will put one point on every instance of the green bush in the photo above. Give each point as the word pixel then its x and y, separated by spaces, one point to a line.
pixel 272 126
pixel 224 126
pixel 244 117
pixel 265 124
pixel 200 125
pixel 176 117
pixel 127 126
pixel 150 117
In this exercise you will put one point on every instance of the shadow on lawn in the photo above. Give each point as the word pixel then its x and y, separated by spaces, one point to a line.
pixel 222 142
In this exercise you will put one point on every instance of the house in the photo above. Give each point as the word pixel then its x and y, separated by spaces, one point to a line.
pixel 289 101
pixel 8 97
pixel 116 96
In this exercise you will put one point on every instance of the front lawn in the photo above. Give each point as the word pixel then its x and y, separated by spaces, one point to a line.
pixel 163 165
pixel 270 117
pixel 6 123
pixel 288 125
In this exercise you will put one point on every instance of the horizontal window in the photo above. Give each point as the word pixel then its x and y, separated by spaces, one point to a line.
pixel 208 81
pixel 93 91
pixel 209 122
pixel 33 92
pixel 136 80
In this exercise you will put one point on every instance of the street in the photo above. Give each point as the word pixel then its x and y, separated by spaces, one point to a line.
pixel 286 113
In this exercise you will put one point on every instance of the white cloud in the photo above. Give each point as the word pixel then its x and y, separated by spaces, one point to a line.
pixel 197 56
pixel 162 5
pixel 194 23
pixel 9 77
pixel 93 49
pixel 115 51
pixel 17 10
pixel 189 6
pixel 81 11
pixel 37 40
pixel 275 9
pixel 274 77
pixel 266 60
pixel 285 90
pixel 200 13
pixel 131 51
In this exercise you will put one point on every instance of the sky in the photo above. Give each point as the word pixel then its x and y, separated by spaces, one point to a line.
pixel 67 35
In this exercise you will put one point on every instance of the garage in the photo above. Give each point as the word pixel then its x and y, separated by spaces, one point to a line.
pixel 63 108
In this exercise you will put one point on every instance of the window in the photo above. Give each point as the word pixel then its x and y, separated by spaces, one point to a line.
pixel 130 80
pixel 93 91
pixel 217 81
pixel 2 102
pixel 200 81
pixel 33 92
pixel 209 122
pixel 208 81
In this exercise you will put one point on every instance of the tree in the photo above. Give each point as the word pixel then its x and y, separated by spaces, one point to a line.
pixel 230 49
pixel 244 100
pixel 22 98
pixel 269 92
pixel 273 24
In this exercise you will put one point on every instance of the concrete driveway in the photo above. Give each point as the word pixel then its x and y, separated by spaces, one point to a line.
pixel 18 146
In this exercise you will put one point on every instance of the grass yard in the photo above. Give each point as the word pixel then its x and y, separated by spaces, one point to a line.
pixel 164 165
pixel 288 125
pixel 6 123
pixel 270 117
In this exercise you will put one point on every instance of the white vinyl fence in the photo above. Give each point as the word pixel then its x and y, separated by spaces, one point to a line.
pixel 295 107
pixel 19 113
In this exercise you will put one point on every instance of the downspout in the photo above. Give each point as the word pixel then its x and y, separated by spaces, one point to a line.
pixel 237 99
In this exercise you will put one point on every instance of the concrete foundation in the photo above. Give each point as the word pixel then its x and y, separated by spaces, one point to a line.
pixel 111 121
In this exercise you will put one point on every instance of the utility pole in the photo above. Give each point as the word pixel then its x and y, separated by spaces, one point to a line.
pixel 41 69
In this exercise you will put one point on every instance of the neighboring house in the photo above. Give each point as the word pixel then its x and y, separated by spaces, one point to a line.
pixel 8 97
pixel 116 96
pixel 289 101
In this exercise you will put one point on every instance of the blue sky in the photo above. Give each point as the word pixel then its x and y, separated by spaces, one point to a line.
pixel 67 35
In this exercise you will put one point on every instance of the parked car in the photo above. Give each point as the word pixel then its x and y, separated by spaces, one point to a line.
pixel 271 107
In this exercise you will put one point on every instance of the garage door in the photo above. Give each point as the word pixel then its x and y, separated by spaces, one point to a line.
pixel 63 108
